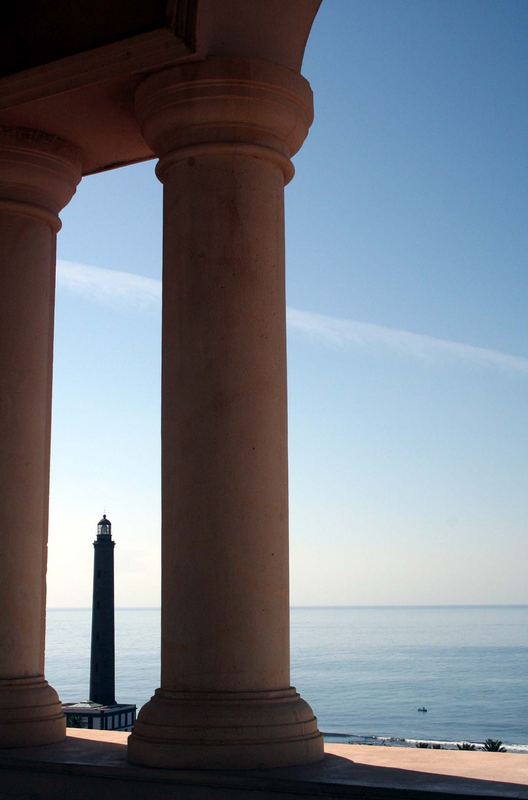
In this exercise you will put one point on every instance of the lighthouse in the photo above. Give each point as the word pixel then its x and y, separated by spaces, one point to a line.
pixel 101 711
pixel 102 662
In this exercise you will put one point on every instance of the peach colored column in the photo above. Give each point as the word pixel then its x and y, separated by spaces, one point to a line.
pixel 224 130
pixel 38 175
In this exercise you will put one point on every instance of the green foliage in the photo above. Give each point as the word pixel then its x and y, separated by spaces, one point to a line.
pixel 466 746
pixel 494 746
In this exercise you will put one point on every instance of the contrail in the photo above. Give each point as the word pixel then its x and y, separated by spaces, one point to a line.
pixel 345 333
pixel 109 286
pixel 127 290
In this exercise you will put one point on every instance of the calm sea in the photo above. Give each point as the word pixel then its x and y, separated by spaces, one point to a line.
pixel 365 670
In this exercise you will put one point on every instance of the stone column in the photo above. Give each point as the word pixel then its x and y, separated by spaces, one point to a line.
pixel 224 131
pixel 38 176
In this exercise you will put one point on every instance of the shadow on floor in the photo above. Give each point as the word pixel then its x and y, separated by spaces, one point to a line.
pixel 101 768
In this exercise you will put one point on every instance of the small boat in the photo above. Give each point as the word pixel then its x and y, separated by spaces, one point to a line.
pixel 423 709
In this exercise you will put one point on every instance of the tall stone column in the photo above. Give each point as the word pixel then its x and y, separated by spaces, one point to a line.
pixel 224 131
pixel 38 176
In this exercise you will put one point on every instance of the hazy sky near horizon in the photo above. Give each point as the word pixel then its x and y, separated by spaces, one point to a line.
pixel 407 288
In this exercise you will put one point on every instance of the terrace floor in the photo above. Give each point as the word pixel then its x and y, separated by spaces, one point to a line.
pixel 92 764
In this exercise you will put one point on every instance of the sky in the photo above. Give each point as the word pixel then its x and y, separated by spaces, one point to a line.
pixel 407 282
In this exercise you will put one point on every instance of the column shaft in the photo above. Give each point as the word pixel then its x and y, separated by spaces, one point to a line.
pixel 38 175
pixel 225 503
pixel 224 130
pixel 26 341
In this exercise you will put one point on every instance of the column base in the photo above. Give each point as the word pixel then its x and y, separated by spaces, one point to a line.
pixel 30 713
pixel 225 730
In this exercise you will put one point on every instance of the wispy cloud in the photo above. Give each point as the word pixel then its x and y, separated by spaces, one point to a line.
pixel 126 290
pixel 345 333
pixel 108 286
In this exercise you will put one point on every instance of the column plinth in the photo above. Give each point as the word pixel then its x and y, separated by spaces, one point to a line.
pixel 224 131
pixel 38 176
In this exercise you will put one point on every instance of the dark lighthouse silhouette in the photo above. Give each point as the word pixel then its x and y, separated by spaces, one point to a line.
pixel 101 711
pixel 102 661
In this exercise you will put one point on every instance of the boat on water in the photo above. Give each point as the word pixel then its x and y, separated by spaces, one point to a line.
pixel 423 709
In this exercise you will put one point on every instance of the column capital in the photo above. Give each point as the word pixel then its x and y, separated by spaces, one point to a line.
pixel 38 173
pixel 225 105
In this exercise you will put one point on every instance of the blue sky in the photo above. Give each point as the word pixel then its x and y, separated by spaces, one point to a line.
pixel 407 283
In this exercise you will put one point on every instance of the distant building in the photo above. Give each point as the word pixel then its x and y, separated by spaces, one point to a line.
pixel 119 717
pixel 101 710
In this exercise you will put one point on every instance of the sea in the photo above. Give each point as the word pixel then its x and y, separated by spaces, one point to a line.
pixel 366 671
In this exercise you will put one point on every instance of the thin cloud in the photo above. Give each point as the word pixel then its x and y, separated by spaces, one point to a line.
pixel 127 290
pixel 345 333
pixel 108 286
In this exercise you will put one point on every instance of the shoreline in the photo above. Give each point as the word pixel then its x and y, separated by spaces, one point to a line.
pixel 397 741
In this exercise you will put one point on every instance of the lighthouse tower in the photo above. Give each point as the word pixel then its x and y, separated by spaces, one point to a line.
pixel 102 663
pixel 101 711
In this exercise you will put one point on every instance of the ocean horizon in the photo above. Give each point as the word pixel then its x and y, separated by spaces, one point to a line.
pixel 365 669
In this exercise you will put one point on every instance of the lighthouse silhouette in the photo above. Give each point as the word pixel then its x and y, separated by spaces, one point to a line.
pixel 101 711
pixel 102 661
